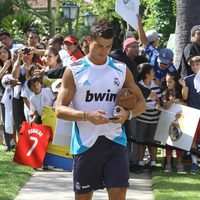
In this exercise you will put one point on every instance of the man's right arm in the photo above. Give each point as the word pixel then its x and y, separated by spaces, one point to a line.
pixel 65 96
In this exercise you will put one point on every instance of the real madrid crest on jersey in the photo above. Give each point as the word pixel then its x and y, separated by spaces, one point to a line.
pixel 176 127
pixel 116 82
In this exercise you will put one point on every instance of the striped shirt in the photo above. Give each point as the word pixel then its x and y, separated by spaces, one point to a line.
pixel 151 114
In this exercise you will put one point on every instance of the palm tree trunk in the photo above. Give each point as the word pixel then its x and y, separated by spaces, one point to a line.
pixel 187 16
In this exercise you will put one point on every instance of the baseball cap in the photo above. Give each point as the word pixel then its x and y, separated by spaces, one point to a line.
pixel 71 40
pixel 194 29
pixel 129 41
pixel 152 35
pixel 165 56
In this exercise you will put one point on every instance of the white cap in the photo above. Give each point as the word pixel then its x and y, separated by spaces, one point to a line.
pixel 152 35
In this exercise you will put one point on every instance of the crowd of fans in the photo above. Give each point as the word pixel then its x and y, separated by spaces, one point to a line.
pixel 28 70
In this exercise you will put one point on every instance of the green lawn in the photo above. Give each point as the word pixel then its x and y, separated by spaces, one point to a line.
pixel 174 186
pixel 12 176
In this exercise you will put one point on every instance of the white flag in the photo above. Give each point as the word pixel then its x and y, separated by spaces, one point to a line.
pixel 128 10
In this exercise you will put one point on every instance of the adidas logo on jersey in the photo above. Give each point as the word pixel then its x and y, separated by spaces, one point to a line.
pixel 86 83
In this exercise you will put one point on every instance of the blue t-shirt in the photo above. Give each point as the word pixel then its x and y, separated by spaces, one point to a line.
pixel 153 54
pixel 193 96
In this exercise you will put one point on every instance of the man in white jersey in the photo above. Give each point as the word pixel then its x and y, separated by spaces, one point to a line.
pixel 98 142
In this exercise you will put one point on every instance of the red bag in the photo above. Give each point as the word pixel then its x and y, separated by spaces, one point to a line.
pixel 32 145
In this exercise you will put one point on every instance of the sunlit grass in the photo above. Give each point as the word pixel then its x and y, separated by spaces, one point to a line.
pixel 12 176
pixel 174 186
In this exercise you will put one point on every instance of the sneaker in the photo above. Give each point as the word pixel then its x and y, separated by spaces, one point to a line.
pixel 168 168
pixel 180 168
pixel 194 168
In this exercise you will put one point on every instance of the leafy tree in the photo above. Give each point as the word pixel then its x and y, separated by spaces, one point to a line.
pixel 159 15
pixel 18 24
pixel 48 18
pixel 6 8
pixel 104 9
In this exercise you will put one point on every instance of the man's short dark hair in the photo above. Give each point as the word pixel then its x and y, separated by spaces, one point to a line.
pixel 103 28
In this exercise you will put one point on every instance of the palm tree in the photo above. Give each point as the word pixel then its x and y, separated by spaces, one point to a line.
pixel 187 16
pixel 6 8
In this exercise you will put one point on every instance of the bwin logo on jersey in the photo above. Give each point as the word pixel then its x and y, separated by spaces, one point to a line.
pixel 100 96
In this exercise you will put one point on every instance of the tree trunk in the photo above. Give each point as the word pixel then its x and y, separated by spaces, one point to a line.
pixel 187 16
pixel 51 19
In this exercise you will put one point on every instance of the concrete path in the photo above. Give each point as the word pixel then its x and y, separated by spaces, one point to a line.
pixel 47 185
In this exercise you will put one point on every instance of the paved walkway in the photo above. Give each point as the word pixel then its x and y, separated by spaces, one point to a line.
pixel 46 185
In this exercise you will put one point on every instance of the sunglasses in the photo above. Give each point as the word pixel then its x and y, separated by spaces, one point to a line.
pixel 163 64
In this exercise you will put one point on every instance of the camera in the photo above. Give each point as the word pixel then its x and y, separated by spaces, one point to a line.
pixel 26 51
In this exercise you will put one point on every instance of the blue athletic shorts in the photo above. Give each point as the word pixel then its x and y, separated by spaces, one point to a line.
pixel 104 165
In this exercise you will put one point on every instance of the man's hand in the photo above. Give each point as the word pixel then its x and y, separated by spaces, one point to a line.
pixel 122 116
pixel 97 117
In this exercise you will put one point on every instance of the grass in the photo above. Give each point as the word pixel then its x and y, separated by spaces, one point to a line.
pixel 173 186
pixel 12 176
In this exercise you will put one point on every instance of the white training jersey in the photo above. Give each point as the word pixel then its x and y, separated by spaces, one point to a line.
pixel 96 89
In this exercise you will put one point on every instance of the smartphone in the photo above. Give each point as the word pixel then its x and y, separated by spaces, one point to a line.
pixel 113 118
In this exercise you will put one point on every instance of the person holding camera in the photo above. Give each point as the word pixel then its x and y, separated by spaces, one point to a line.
pixel 25 58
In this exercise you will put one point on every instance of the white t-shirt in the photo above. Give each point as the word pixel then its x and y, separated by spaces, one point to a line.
pixel 45 98
pixel 64 56
pixel 96 89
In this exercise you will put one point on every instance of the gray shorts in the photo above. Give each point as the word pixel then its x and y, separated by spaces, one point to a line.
pixel 145 132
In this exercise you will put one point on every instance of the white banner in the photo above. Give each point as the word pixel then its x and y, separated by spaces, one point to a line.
pixel 62 133
pixel 128 10
pixel 177 126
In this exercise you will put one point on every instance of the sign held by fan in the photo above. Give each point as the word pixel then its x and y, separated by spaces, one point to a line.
pixel 175 126
pixel 128 10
